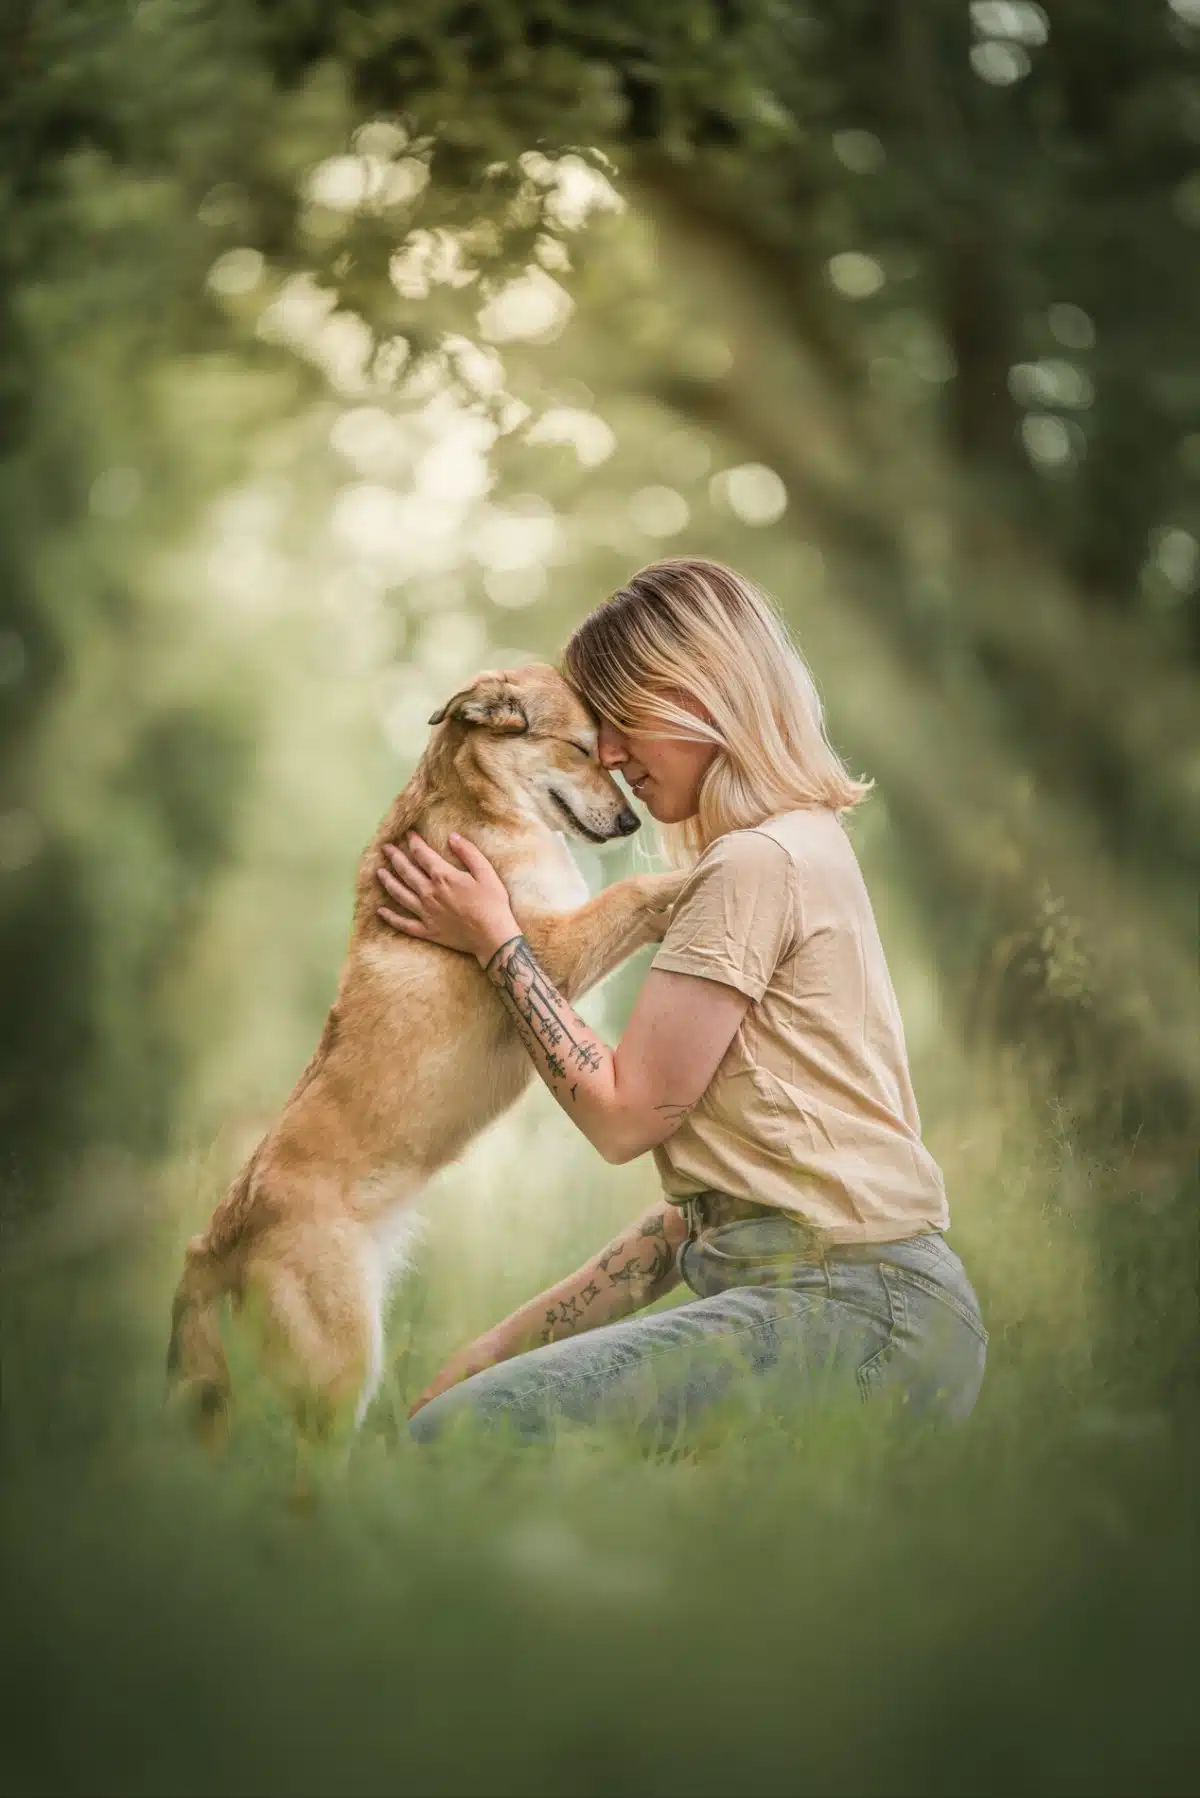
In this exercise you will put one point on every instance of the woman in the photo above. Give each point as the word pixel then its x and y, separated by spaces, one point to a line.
pixel 764 1062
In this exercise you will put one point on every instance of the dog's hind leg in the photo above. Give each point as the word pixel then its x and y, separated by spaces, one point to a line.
pixel 321 1315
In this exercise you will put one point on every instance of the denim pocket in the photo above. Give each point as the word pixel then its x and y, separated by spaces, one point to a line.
pixel 769 1251
pixel 935 1290
pixel 873 1372
pixel 757 1239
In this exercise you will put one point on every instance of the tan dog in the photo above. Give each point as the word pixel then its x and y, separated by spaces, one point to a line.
pixel 417 1054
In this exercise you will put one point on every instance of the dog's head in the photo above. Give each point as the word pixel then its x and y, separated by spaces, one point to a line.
pixel 530 734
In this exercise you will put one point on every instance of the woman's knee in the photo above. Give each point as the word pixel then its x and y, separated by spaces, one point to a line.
pixel 427 1423
pixel 449 1409
pixel 492 1400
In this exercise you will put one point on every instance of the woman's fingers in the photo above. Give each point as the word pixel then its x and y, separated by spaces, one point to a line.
pixel 472 859
pixel 428 860
pixel 409 873
pixel 399 921
pixel 397 890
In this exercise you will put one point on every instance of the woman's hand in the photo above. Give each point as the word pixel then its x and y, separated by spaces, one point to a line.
pixel 485 1351
pixel 465 908
pixel 636 1268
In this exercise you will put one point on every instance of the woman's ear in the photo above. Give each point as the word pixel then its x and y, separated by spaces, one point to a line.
pixel 688 702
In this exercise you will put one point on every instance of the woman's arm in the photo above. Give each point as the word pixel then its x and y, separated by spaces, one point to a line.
pixel 626 1100
pixel 636 1268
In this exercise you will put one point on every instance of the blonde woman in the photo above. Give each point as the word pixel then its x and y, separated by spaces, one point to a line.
pixel 764 1062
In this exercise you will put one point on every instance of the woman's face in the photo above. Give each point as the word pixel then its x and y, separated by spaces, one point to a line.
pixel 663 772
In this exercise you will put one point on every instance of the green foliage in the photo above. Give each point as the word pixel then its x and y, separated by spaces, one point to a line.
pixel 829 1605
pixel 976 222
pixel 927 272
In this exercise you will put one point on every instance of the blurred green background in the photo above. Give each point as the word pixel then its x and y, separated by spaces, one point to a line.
pixel 346 351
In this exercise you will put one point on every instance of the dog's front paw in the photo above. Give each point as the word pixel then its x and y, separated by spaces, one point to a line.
pixel 662 890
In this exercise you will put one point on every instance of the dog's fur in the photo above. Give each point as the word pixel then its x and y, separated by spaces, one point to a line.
pixel 418 1053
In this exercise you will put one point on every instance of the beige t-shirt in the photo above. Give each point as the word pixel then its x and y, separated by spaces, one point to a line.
pixel 812 1107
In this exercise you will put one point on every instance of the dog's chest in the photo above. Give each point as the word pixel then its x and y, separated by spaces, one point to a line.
pixel 551 883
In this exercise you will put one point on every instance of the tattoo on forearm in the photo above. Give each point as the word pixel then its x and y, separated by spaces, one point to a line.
pixel 627 1273
pixel 651 1262
pixel 568 1312
pixel 641 1264
pixel 548 1025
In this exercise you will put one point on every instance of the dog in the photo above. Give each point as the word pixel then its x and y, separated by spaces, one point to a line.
pixel 417 1055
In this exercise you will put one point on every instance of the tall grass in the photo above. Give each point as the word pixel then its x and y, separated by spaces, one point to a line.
pixel 845 1604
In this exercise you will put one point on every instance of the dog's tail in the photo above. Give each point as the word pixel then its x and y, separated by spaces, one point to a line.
pixel 197 1371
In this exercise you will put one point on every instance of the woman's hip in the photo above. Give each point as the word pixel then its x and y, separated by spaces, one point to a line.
pixel 916 1294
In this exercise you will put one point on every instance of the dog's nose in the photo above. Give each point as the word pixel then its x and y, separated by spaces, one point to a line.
pixel 627 822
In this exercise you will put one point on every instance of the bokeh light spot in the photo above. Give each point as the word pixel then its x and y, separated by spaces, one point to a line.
pixel 855 276
pixel 859 151
pixel 1051 382
pixel 237 272
pixel 1047 440
pixel 658 511
pixel 514 588
pixel 1071 326
pixel 369 437
pixel 1178 556
pixel 1000 65
pixel 1018 20
pixel 516 536
pixel 753 492
pixel 531 309
pixel 592 440
pixel 381 137
pixel 452 646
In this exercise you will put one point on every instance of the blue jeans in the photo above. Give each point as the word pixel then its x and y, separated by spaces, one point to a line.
pixel 767 1325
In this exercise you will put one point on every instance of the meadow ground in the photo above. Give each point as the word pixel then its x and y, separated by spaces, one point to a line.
pixel 847 1605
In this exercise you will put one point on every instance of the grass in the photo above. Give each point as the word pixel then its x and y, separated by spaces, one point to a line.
pixel 846 1606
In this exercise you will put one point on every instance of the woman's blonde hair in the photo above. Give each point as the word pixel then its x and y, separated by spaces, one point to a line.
pixel 695 627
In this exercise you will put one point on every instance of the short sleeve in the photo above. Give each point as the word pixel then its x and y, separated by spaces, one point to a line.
pixel 735 919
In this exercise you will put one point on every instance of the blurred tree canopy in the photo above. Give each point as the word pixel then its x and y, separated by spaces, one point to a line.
pixel 977 227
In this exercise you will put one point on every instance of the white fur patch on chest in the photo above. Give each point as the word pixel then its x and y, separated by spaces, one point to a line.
pixel 552 883
pixel 392 1223
pixel 397 1234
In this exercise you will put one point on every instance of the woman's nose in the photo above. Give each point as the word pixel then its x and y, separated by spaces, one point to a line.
pixel 611 747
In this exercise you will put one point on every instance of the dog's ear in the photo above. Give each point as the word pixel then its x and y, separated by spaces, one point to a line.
pixel 490 702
